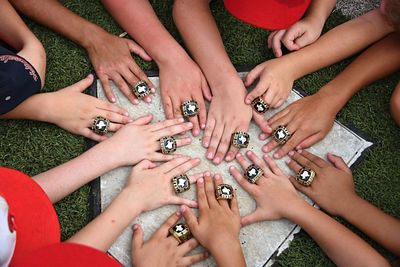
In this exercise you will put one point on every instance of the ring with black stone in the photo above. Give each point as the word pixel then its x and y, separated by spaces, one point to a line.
pixel 100 125
pixel 305 176
pixel 224 191
pixel 253 173
pixel 181 232
pixel 240 139
pixel 181 183
pixel 259 105
pixel 190 108
pixel 168 144
pixel 281 134
pixel 141 89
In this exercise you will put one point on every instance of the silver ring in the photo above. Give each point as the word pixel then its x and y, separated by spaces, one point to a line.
pixel 305 176
pixel 100 125
pixel 253 173
pixel 168 144
pixel 181 183
pixel 281 134
pixel 190 108
pixel 259 105
pixel 181 232
pixel 141 89
pixel 240 139
pixel 224 191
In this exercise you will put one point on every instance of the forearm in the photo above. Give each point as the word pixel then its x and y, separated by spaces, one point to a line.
pixel 319 11
pixel 102 232
pixel 140 21
pixel 204 43
pixel 378 61
pixel 229 255
pixel 33 108
pixel 378 225
pixel 339 43
pixel 342 246
pixel 68 177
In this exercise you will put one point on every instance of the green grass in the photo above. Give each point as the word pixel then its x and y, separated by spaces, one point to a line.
pixel 33 147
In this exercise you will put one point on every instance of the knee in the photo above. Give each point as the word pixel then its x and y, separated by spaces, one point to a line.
pixel 395 104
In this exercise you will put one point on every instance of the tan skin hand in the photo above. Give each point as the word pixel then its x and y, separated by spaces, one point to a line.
pixel 168 251
pixel 333 187
pixel 308 119
pixel 112 60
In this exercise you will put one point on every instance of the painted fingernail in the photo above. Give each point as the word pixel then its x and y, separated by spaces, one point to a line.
pixel 291 153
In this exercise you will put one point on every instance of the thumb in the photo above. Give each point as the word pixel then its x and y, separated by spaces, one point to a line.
pixel 143 120
pixel 137 238
pixel 302 41
pixel 138 50
pixel 253 75
pixel 82 85
pixel 251 218
pixel 339 163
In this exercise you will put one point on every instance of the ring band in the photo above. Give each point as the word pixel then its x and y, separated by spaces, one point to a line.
pixel 181 183
pixel 259 105
pixel 190 108
pixel 240 139
pixel 168 144
pixel 141 89
pixel 282 134
pixel 253 173
pixel 100 125
pixel 305 176
pixel 224 191
pixel 181 232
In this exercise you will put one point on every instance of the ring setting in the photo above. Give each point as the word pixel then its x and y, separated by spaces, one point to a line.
pixel 253 173
pixel 100 125
pixel 181 232
pixel 305 176
pixel 190 108
pixel 240 139
pixel 141 89
pixel 224 191
pixel 259 105
pixel 282 134
pixel 181 183
pixel 168 144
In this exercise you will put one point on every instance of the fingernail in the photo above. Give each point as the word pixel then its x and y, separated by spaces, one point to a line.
pixel 287 161
pixel 135 101
pixel 247 101
pixel 189 124
pixel 181 119
pixel 276 156
pixel 178 213
pixel 183 209
pixel 130 120
pixel 207 174
pixel 203 126
pixel 248 153
pixel 135 227
pixel 200 181
pixel 299 151
pixel 291 153
pixel 265 149
pixel 238 155
pixel 196 132
pixel 210 155
pixel 228 158
pixel 298 147
pixel 216 160
pixel 126 113
pixel 205 144
pixel 262 136
pixel 217 177
pixel 113 99
pixel 231 167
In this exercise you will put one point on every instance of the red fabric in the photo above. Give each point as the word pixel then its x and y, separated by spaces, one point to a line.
pixel 36 221
pixel 268 14
pixel 68 254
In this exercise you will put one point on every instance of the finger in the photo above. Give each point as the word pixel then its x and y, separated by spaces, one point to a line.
pixel 163 157
pixel 103 105
pixel 242 161
pixel 145 165
pixel 271 145
pixel 270 37
pixel 270 94
pixel 215 139
pixel 294 140
pixel 128 75
pixel 183 201
pixel 311 140
pixel 276 43
pixel 174 129
pixel 208 132
pixel 233 150
pixel 272 165
pixel 190 218
pixel 143 120
pixel 138 50
pixel 196 127
pixel 235 206
pixel 121 84
pixel 301 41
pixel 189 245
pixel 166 123
pixel 135 69
pixel 168 166
pixel 303 161
pixel 201 195
pixel 314 159
pixel 83 84
pixel 86 132
pixel 193 178
pixel 257 161
pixel 304 189
pixel 193 259
pixel 278 116
pixel 113 127
pixel 137 238
pixel 112 116
pixel 261 122
pixel 202 112
pixel 163 231
pixel 261 88
pixel 339 163
pixel 223 146
pixel 249 187
pixel 293 165
pixel 251 77
pixel 289 38
pixel 185 167
pixel 167 104
pixel 205 89
pixel 176 107
pixel 256 216
pixel 210 191
pixel 106 87
pixel 217 181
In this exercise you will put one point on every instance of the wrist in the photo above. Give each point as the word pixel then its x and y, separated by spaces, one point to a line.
pixel 222 251
pixel 350 205
pixel 133 201
pixel 296 209
pixel 229 84
pixel 331 99
pixel 92 35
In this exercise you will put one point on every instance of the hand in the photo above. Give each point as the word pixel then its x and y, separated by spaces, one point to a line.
pixel 275 196
pixel 218 225
pixel 227 114
pixel 180 81
pixel 74 111
pixel 168 251
pixel 140 140
pixel 151 186
pixel 332 188
pixel 301 34
pixel 308 120
pixel 112 60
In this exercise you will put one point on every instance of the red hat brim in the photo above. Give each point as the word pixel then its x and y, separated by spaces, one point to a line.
pixel 36 221
pixel 268 14
pixel 68 254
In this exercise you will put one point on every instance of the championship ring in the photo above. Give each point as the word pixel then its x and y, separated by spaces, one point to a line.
pixel 281 134
pixel 190 108
pixel 224 191
pixel 141 89
pixel 259 105
pixel 100 125
pixel 305 176
pixel 240 139
pixel 168 144
pixel 181 183
pixel 253 173
pixel 181 232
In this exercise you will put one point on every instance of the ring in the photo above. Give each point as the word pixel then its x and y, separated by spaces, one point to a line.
pixel 100 125
pixel 168 144
pixel 259 105
pixel 141 89
pixel 305 176
pixel 240 139
pixel 181 232
pixel 253 173
pixel 224 191
pixel 281 134
pixel 190 108
pixel 181 183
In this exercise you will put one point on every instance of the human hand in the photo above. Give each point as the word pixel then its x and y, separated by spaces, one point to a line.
pixel 332 188
pixel 150 185
pixel 112 60
pixel 227 114
pixel 308 120
pixel 140 140
pixel 169 252
pixel 73 110
pixel 299 35
pixel 275 196
pixel 218 225
pixel 180 81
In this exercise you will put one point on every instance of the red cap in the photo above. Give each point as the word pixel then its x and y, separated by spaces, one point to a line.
pixel 68 254
pixel 35 219
pixel 268 14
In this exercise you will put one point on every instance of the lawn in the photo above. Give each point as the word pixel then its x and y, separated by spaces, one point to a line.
pixel 34 147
